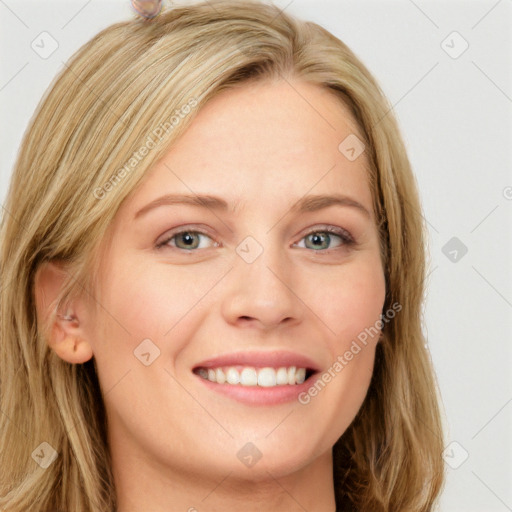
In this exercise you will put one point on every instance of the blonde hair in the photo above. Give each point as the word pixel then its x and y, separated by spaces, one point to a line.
pixel 68 183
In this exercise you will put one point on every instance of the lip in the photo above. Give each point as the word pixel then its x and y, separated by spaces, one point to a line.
pixel 274 359
pixel 258 395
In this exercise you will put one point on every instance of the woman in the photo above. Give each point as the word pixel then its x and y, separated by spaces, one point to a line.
pixel 212 279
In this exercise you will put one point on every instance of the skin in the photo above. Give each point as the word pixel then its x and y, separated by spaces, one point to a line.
pixel 174 442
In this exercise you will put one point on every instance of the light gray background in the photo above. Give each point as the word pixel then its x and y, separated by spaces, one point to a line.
pixel 456 117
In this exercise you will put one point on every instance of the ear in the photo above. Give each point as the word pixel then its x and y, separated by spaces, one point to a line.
pixel 65 330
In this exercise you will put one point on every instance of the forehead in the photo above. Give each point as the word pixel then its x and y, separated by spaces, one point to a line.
pixel 263 142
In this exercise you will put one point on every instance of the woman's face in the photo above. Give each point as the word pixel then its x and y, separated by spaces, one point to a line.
pixel 245 283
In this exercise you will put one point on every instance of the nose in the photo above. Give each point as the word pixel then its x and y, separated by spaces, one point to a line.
pixel 261 294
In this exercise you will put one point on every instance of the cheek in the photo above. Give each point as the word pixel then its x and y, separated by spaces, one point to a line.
pixel 350 302
pixel 350 305
pixel 133 307
pixel 142 301
pixel 148 300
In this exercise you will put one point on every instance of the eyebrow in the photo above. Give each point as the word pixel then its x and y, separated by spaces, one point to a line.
pixel 306 204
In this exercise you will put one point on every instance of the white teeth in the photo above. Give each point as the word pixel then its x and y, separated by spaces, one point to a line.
pixel 250 376
pixel 267 377
pixel 282 376
pixel 300 375
pixel 232 376
pixel 219 376
pixel 291 375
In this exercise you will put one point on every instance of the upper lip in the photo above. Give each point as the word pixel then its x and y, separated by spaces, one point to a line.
pixel 258 359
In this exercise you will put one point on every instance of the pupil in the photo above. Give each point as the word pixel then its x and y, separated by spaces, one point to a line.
pixel 319 238
pixel 188 239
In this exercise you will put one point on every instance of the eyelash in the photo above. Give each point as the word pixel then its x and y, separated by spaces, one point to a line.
pixel 346 238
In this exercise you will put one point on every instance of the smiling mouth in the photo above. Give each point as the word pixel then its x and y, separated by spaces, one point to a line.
pixel 251 376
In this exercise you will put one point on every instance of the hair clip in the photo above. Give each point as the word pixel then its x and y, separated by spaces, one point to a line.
pixel 147 8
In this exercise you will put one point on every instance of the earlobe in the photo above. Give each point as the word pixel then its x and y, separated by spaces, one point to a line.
pixel 64 330
pixel 73 350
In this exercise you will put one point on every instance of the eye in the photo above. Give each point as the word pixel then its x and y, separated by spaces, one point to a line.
pixel 322 238
pixel 185 239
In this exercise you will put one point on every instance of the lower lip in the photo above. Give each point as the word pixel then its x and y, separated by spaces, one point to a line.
pixel 259 395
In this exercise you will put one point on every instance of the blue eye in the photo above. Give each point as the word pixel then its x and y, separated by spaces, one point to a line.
pixel 319 239
pixel 322 238
pixel 185 240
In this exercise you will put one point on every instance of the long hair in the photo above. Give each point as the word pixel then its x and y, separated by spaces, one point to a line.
pixel 140 84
